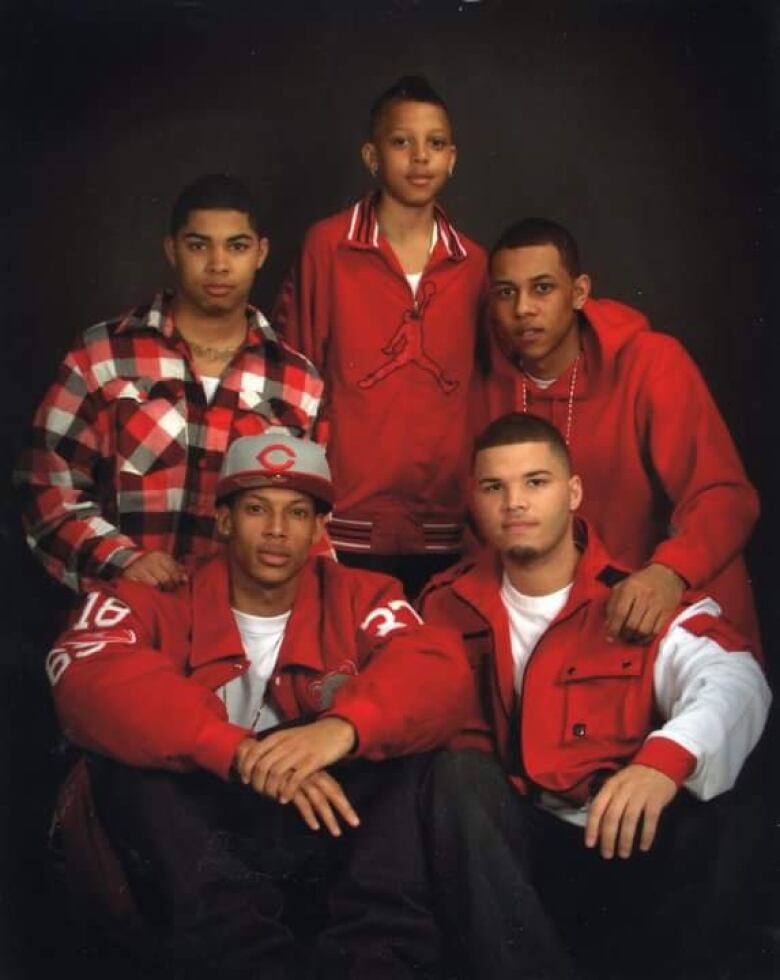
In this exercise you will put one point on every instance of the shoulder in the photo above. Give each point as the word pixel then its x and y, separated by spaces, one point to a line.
pixel 106 331
pixel 440 590
pixel 702 619
pixel 329 231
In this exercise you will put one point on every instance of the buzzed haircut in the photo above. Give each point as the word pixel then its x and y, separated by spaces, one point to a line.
pixel 519 427
pixel 214 192
pixel 542 231
pixel 409 88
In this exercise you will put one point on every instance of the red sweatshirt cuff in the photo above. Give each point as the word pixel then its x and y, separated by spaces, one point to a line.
pixel 216 746
pixel 668 757
pixel 680 557
pixel 366 719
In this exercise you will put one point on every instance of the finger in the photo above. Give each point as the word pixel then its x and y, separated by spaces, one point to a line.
pixel 339 801
pixel 295 778
pixel 649 827
pixel 596 810
pixel 306 811
pixel 643 626
pixel 610 825
pixel 628 828
pixel 323 809
pixel 619 614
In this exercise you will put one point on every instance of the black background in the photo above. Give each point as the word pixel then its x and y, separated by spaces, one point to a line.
pixel 649 128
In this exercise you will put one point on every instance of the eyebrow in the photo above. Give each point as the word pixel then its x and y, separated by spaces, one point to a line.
pixel 241 236
pixel 525 476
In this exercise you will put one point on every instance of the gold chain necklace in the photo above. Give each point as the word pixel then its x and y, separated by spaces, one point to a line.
pixel 570 411
pixel 213 353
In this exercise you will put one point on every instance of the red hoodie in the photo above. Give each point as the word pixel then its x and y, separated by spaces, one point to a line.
pixel 399 376
pixel 663 481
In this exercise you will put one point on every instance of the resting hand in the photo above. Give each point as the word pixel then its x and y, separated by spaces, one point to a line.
pixel 158 569
pixel 632 794
pixel 321 796
pixel 640 604
pixel 277 765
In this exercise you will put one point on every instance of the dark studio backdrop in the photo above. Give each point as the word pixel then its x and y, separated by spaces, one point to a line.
pixel 649 128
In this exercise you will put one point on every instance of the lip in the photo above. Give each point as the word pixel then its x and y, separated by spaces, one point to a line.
pixel 420 180
pixel 274 558
pixel 218 289
pixel 518 525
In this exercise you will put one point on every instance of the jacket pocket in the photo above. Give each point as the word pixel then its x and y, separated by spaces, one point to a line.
pixel 606 697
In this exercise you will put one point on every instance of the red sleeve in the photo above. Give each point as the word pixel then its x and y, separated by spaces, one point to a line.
pixel 714 505
pixel 411 691
pixel 117 692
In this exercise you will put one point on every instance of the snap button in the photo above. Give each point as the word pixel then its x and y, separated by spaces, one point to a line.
pixel 626 664
pixel 578 730
pixel 571 670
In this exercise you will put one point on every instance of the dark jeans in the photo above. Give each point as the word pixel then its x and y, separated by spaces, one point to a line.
pixel 236 885
pixel 521 896
pixel 412 571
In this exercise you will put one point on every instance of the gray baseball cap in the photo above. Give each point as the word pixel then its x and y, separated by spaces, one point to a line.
pixel 276 459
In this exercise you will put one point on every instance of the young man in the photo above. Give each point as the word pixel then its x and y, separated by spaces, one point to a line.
pixel 666 490
pixel 385 300
pixel 268 667
pixel 127 444
pixel 608 746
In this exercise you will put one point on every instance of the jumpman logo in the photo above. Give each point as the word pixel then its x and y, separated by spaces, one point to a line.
pixel 406 347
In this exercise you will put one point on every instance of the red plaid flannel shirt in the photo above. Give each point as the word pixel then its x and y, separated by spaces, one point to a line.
pixel 126 451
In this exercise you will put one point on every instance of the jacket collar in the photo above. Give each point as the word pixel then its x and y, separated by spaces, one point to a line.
pixel 158 316
pixel 215 635
pixel 363 231
pixel 480 586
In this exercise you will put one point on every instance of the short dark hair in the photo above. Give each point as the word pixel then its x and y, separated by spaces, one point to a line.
pixel 541 231
pixel 214 192
pixel 518 427
pixel 409 88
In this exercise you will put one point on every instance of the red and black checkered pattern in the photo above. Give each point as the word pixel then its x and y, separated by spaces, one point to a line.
pixel 126 450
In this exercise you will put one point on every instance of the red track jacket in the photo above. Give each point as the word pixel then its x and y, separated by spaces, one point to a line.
pixel 134 676
pixel 399 378
pixel 663 481
pixel 587 705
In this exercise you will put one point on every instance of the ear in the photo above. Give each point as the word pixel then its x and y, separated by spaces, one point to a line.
pixel 320 520
pixel 169 247
pixel 370 158
pixel 453 158
pixel 575 493
pixel 224 521
pixel 581 290
pixel 263 247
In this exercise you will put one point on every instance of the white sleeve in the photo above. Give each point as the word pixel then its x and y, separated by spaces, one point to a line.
pixel 715 701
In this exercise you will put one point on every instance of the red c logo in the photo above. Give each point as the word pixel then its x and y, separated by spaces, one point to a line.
pixel 264 458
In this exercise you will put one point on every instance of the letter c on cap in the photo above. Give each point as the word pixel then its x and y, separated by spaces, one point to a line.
pixel 265 460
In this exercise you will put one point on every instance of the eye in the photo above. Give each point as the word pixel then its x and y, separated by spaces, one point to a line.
pixel 503 292
pixel 301 513
pixel 399 141
pixel 196 246
pixel 439 143
pixel 542 288
pixel 490 487
pixel 538 481
pixel 238 246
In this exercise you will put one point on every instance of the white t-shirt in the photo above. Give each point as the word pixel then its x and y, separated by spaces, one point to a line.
pixel 210 386
pixel 413 278
pixel 244 696
pixel 529 617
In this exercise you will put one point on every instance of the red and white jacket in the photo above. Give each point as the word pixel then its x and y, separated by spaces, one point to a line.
pixel 692 704
pixel 134 676
pixel 399 377
pixel 663 481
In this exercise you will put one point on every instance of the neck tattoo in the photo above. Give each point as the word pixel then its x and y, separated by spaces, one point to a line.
pixel 570 410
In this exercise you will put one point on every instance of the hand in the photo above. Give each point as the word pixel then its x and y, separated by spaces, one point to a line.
pixel 319 795
pixel 636 792
pixel 158 569
pixel 277 765
pixel 640 604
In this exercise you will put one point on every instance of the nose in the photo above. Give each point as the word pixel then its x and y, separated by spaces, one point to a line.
pixel 217 259
pixel 420 151
pixel 276 525
pixel 525 304
pixel 515 498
